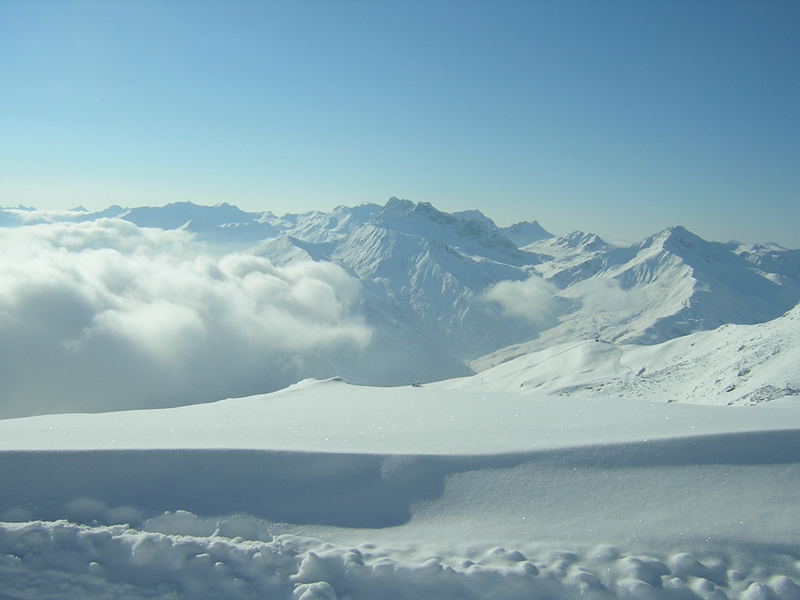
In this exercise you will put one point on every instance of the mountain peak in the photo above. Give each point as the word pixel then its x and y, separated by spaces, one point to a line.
pixel 474 215
pixel 424 220
pixel 675 239
pixel 401 204
pixel 583 240
pixel 525 232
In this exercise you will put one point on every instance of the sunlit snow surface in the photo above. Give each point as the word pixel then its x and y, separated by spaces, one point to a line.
pixel 328 490
pixel 576 463
pixel 734 364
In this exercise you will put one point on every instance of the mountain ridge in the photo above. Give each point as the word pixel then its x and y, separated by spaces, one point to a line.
pixel 447 290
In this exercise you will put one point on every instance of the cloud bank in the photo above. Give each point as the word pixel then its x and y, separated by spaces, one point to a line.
pixel 106 315
pixel 532 299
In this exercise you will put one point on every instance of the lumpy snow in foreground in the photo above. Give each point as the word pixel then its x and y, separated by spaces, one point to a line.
pixel 328 490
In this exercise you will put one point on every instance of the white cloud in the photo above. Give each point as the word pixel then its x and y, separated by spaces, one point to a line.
pixel 606 295
pixel 106 315
pixel 532 299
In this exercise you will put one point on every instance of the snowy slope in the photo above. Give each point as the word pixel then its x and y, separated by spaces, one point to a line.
pixel 423 274
pixel 468 236
pixel 327 490
pixel 734 364
pixel 433 270
pixel 521 234
pixel 319 227
pixel 222 224
pixel 669 285
pixel 525 232
pixel 430 280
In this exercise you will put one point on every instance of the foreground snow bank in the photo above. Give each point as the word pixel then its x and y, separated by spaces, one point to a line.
pixel 39 558
pixel 327 490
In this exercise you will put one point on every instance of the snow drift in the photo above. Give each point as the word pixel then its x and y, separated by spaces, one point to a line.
pixel 327 490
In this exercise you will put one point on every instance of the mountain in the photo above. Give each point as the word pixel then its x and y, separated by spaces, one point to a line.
pixel 430 279
pixel 525 232
pixel 668 285
pixel 423 274
pixel 474 215
pixel 320 227
pixel 521 234
pixel 222 223
pixel 733 364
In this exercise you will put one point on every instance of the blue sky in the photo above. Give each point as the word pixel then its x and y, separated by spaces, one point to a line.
pixel 615 117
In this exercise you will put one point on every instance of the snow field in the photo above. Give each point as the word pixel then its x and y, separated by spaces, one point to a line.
pixel 327 490
pixel 708 516
pixel 735 487
pixel 732 365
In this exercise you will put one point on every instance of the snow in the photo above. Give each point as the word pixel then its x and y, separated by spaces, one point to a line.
pixel 578 463
pixel 333 416
pixel 329 488
pixel 101 562
pixel 734 364
pixel 428 279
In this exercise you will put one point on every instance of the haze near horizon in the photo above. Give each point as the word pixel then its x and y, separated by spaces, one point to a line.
pixel 620 118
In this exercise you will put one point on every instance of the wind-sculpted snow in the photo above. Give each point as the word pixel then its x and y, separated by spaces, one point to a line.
pixel 327 490
pixel 85 563
pixel 104 314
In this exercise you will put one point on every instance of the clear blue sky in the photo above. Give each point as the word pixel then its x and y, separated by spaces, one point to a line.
pixel 615 117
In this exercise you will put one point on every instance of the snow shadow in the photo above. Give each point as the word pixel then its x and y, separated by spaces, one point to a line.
pixel 336 489
pixel 348 490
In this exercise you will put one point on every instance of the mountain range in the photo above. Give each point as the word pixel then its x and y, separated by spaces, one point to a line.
pixel 450 294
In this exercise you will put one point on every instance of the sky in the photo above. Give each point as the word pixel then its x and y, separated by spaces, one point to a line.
pixel 615 117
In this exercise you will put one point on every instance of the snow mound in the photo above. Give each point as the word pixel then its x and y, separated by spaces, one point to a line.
pixel 328 490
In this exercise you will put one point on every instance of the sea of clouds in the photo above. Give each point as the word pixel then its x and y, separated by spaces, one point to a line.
pixel 105 315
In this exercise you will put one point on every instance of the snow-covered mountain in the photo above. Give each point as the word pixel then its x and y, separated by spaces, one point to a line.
pixel 583 469
pixel 320 227
pixel 670 284
pixel 424 273
pixel 525 232
pixel 440 289
pixel 222 223
pixel 734 364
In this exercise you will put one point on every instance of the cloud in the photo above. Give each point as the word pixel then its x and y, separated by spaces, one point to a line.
pixel 532 299
pixel 606 295
pixel 106 315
